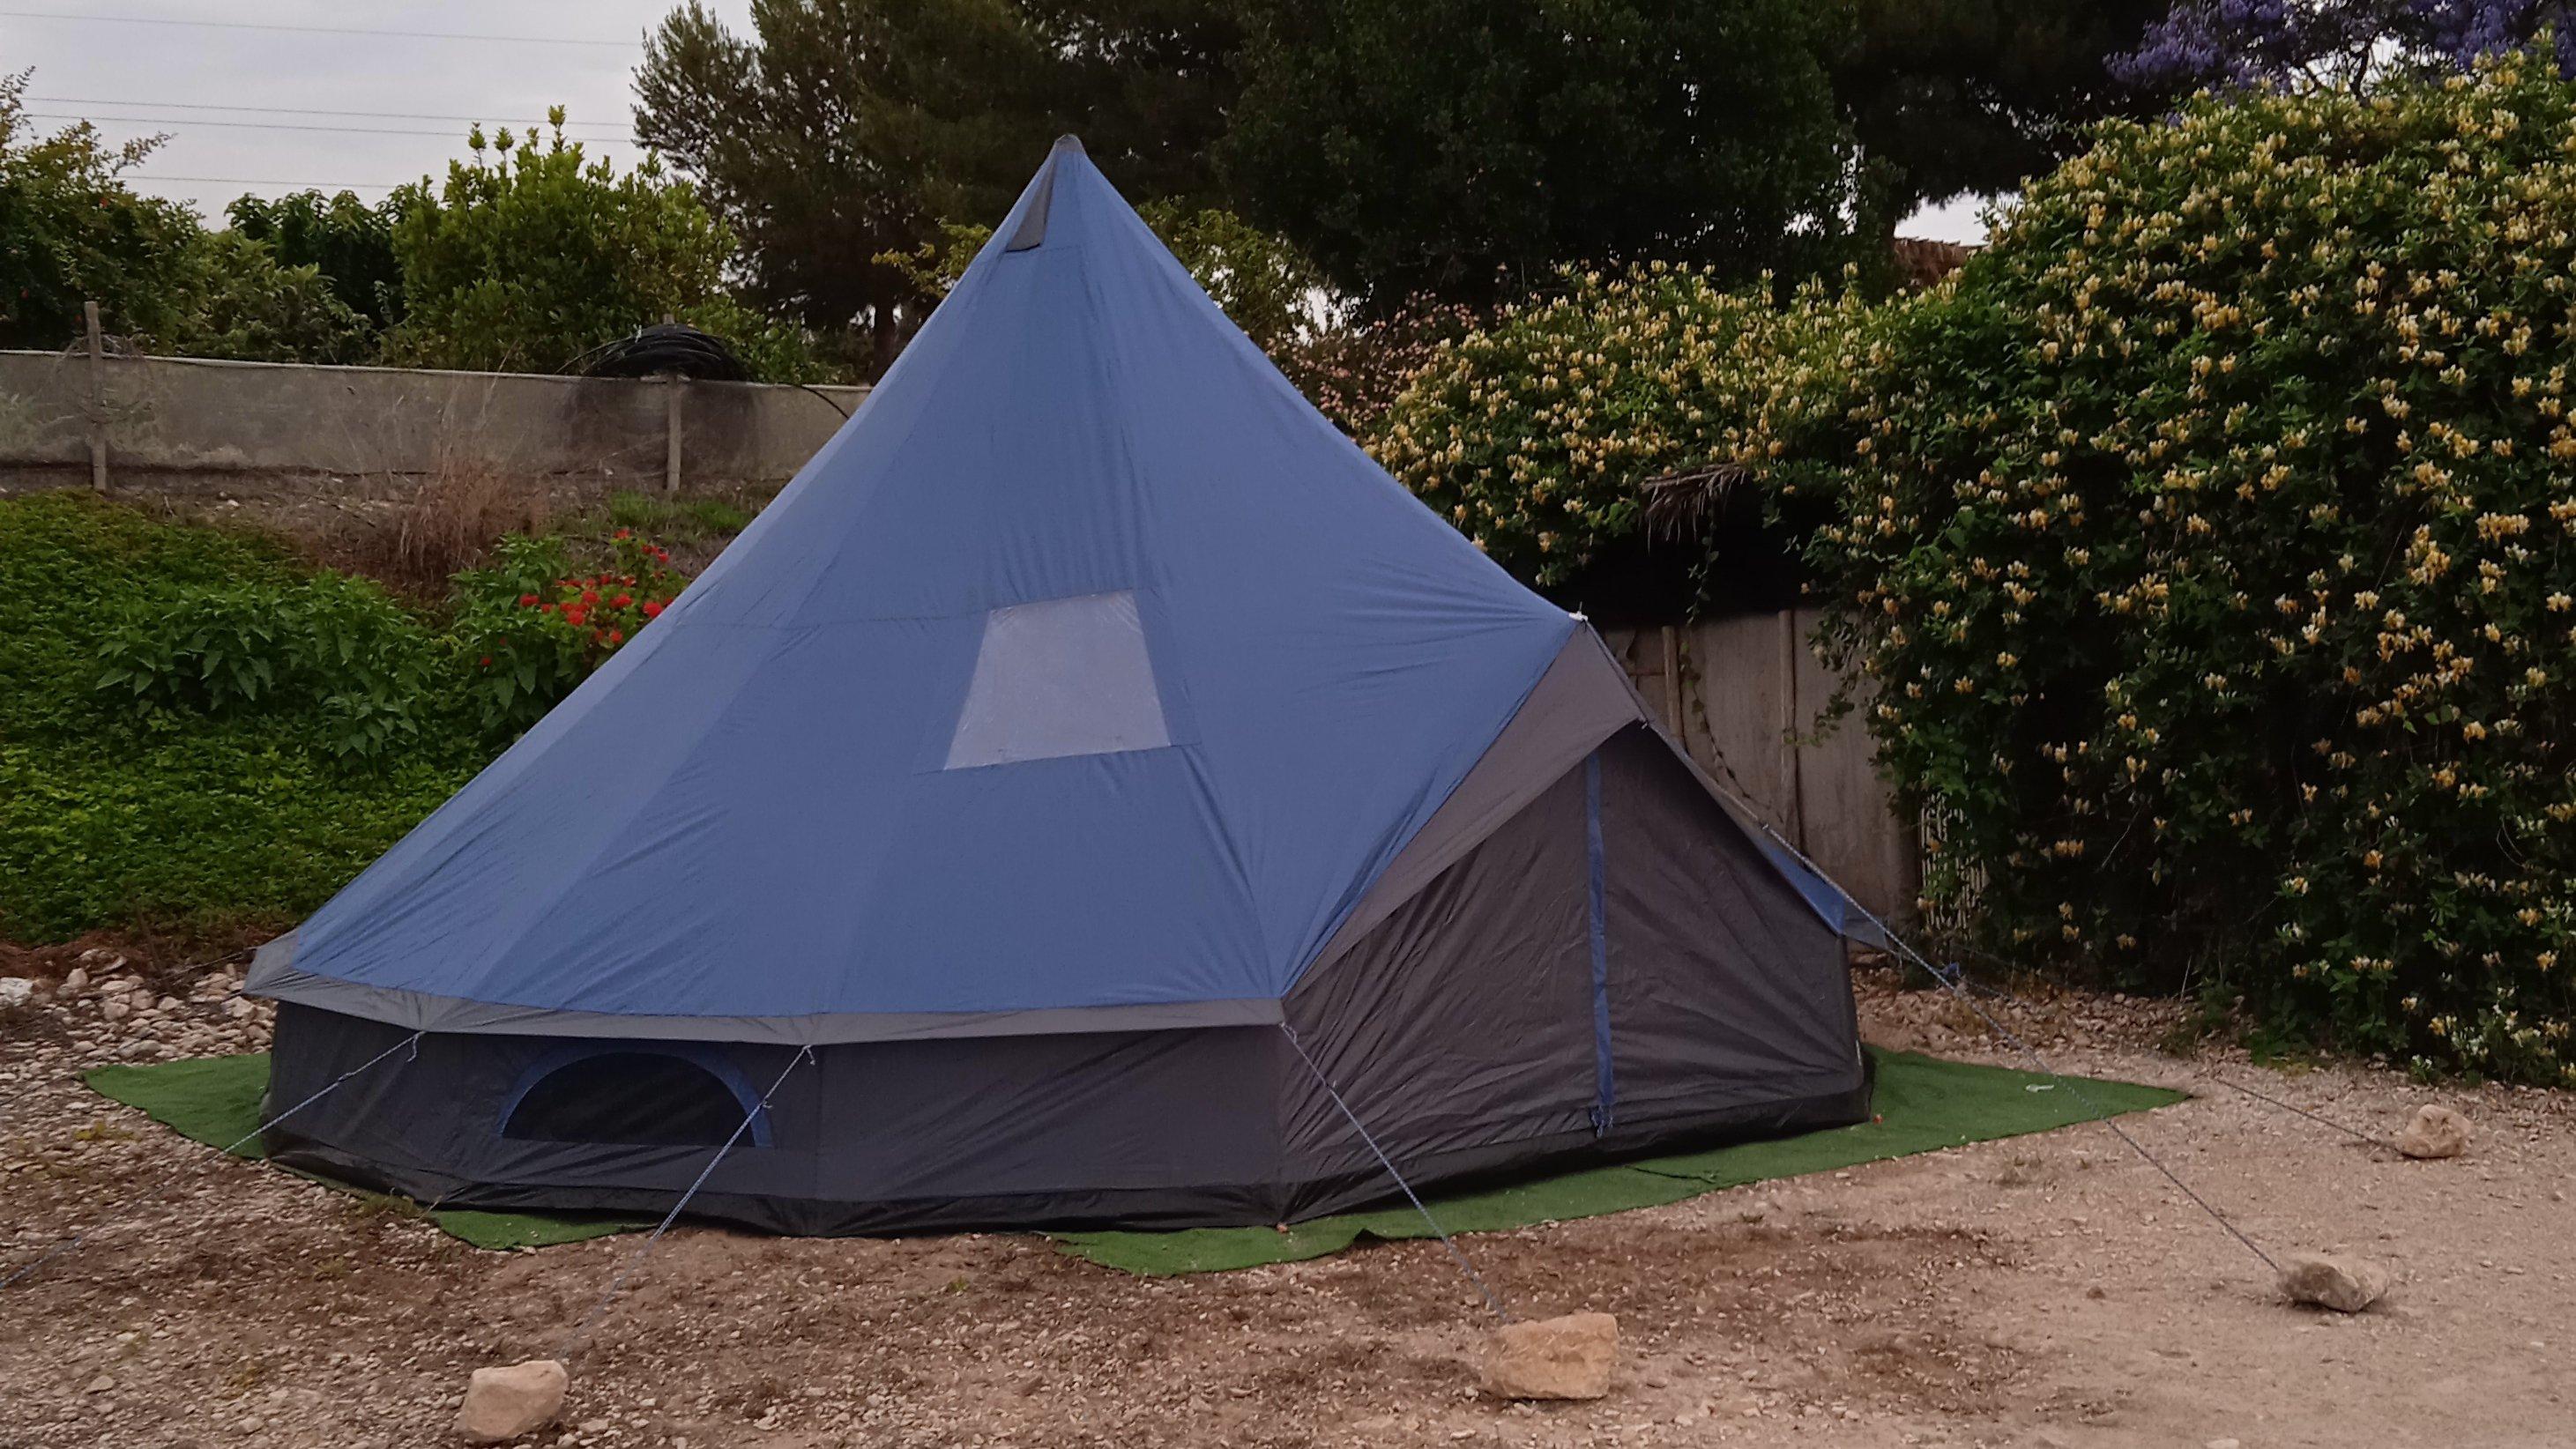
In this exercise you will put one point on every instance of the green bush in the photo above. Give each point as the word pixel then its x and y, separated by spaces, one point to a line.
pixel 238 300
pixel 252 808
pixel 530 254
pixel 2209 541
pixel 327 643
pixel 1534 433
pixel 73 230
pixel 196 730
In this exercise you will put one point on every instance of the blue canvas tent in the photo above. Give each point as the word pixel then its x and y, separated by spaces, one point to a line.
pixel 1085 713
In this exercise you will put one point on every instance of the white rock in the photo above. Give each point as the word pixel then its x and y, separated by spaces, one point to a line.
pixel 113 1010
pixel 2434 1132
pixel 504 1403
pixel 1552 1358
pixel 75 981
pixel 2346 1285
pixel 16 991
pixel 99 1385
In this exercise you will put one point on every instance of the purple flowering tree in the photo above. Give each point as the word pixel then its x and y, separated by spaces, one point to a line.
pixel 2334 43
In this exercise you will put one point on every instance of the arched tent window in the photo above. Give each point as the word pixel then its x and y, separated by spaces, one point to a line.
pixel 633 1095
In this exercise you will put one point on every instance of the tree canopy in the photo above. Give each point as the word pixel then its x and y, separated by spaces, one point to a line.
pixel 838 131
pixel 71 231
pixel 529 254
pixel 350 243
pixel 1451 146
pixel 1433 148
pixel 1971 97
pixel 2338 44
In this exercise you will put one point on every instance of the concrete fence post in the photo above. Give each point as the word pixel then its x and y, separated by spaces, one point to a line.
pixel 97 399
pixel 674 385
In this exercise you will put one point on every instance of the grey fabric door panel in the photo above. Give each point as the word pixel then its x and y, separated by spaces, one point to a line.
pixel 1721 977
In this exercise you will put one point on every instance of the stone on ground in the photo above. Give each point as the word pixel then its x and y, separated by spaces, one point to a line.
pixel 1552 1358
pixel 504 1403
pixel 2346 1285
pixel 2434 1132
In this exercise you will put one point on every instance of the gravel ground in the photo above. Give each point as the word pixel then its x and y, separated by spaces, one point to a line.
pixel 2043 1291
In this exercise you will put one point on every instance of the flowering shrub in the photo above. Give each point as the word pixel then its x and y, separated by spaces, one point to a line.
pixel 532 627
pixel 1534 433
pixel 2212 538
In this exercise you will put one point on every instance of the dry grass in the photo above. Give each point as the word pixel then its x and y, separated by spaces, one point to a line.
pixel 449 524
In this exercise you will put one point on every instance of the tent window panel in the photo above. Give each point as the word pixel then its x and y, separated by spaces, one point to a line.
pixel 1060 677
pixel 631 1098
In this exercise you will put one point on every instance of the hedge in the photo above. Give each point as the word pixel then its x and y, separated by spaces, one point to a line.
pixel 2211 540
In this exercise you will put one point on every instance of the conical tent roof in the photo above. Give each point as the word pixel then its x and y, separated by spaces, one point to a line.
pixel 1087 670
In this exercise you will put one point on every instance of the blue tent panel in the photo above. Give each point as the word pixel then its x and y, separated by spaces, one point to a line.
pixel 851 770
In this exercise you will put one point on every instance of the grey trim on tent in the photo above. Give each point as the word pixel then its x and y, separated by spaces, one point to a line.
pixel 1743 812
pixel 1581 700
pixel 273 974
pixel 1032 230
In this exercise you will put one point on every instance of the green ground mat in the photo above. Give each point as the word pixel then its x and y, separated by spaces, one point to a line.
pixel 215 1100
pixel 1925 1103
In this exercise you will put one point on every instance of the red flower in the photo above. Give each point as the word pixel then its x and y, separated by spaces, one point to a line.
pixel 574 616
pixel 590 596
pixel 616 636
pixel 625 533
pixel 487 661
pixel 622 600
pixel 652 608
pixel 527 601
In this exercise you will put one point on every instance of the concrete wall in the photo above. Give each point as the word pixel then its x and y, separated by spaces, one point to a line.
pixel 1743 693
pixel 189 415
pixel 1741 688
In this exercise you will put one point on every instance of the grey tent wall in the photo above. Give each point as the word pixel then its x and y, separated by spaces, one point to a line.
pixel 1148 1128
pixel 1462 1028
pixel 1725 982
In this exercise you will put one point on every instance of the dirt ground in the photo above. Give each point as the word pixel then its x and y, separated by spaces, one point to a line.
pixel 2049 1290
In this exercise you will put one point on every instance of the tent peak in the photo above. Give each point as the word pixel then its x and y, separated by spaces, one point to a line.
pixel 1031 232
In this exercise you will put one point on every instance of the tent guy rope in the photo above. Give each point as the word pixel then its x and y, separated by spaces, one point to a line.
pixel 580 1331
pixel 1955 982
pixel 1446 1241
pixel 412 1042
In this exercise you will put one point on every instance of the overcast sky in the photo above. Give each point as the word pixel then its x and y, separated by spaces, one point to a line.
pixel 228 95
